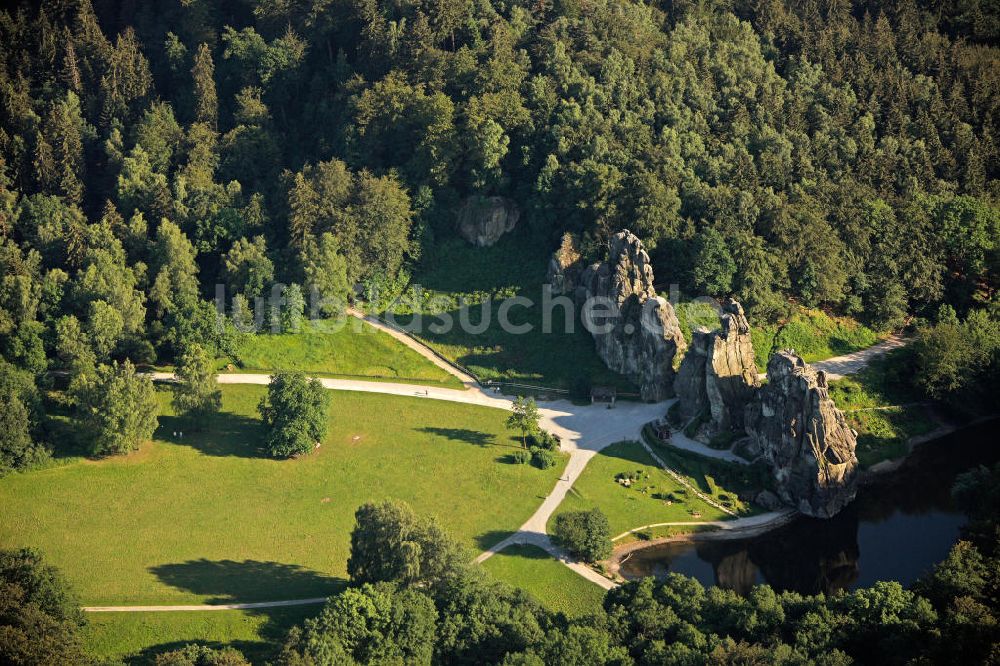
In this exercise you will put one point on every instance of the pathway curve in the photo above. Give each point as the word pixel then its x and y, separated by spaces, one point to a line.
pixel 848 364
pixel 416 346
pixel 740 525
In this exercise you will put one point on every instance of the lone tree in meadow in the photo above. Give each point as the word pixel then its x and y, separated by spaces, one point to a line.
pixel 585 534
pixel 524 418
pixel 294 411
pixel 391 543
pixel 196 393
pixel 116 409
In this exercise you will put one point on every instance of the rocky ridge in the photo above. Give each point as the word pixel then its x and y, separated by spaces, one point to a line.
pixel 642 336
pixel 793 424
pixel 483 220
pixel 718 375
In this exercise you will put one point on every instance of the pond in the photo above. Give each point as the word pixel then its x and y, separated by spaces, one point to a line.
pixel 896 529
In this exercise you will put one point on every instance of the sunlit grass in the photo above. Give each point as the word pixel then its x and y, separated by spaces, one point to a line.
pixel 208 518
pixel 553 584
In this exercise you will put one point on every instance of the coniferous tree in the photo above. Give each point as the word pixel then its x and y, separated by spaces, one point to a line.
pixel 196 394
pixel 206 103
pixel 65 127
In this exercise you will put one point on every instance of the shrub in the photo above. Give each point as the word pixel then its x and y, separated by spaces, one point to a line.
pixel 543 440
pixel 585 534
pixel 520 457
pixel 542 458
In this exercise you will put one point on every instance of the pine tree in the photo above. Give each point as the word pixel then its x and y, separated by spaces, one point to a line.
pixel 70 74
pixel 196 393
pixel 304 204
pixel 295 305
pixel 126 81
pixel 242 315
pixel 65 128
pixel 205 98
pixel 43 164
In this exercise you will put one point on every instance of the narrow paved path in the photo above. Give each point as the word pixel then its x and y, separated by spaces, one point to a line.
pixel 848 364
pixel 681 441
pixel 416 346
pixel 742 525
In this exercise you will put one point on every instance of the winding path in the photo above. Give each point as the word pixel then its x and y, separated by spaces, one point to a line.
pixel 840 366
pixel 584 431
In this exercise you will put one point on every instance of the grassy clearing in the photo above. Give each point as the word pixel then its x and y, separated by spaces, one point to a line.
pixel 724 481
pixel 350 349
pixel 813 334
pixel 879 403
pixel 546 579
pixel 456 272
pixel 208 519
pixel 654 496
pixel 138 637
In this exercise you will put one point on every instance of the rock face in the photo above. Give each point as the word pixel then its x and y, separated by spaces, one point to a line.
pixel 483 220
pixel 565 267
pixel 642 339
pixel 718 376
pixel 804 438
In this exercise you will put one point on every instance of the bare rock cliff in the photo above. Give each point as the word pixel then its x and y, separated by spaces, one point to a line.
pixel 483 220
pixel 795 426
pixel 718 377
pixel 642 337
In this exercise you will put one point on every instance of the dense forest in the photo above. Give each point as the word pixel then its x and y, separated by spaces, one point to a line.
pixel 835 154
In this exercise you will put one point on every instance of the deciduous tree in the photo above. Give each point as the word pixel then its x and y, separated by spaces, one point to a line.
pixel 294 413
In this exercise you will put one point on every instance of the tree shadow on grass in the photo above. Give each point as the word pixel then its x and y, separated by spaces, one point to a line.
pixel 476 437
pixel 226 434
pixel 249 581
pixel 487 540
pixel 273 632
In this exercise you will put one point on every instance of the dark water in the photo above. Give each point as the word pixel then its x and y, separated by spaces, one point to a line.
pixel 896 530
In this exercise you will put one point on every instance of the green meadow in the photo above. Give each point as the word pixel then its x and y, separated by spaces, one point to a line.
pixel 653 496
pixel 556 586
pixel 349 349
pixel 209 519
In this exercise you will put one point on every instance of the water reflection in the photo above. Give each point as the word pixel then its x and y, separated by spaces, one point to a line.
pixel 895 530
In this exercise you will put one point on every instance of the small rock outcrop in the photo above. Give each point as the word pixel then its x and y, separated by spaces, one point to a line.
pixel 794 425
pixel 641 339
pixel 718 376
pixel 483 220
pixel 566 266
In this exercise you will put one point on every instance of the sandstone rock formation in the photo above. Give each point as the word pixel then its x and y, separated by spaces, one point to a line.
pixel 794 425
pixel 483 220
pixel 642 338
pixel 718 376
pixel 565 266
